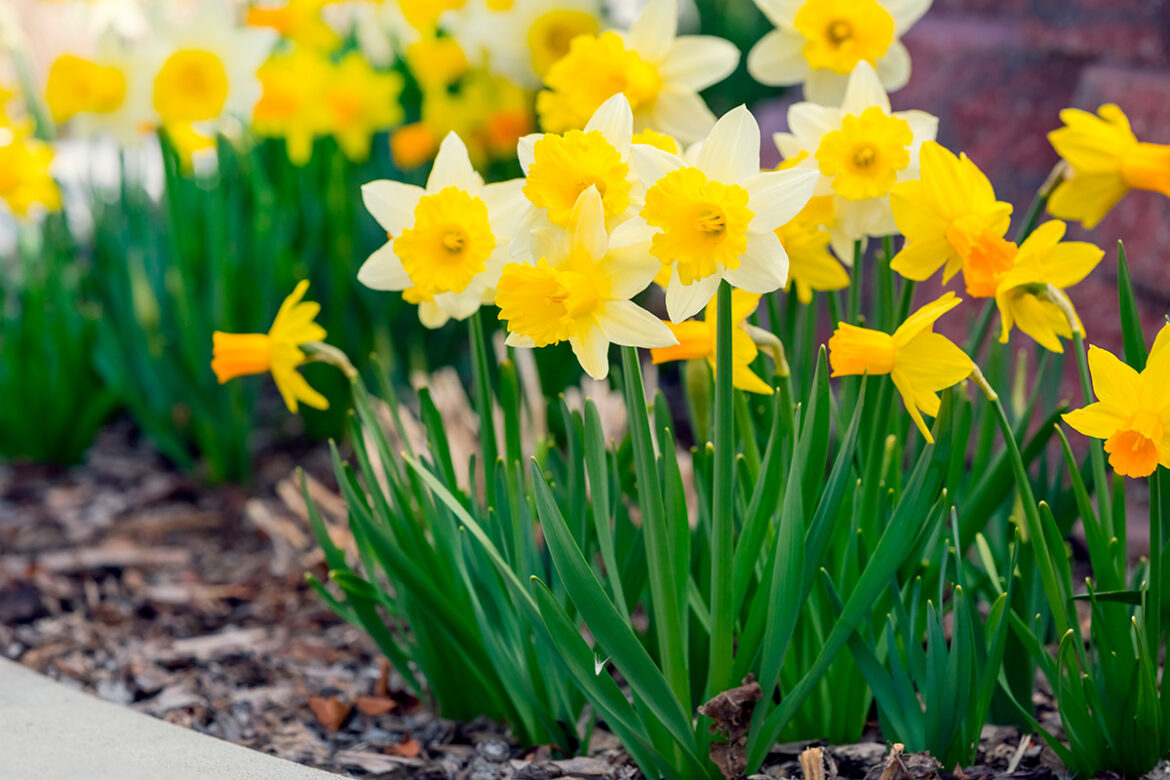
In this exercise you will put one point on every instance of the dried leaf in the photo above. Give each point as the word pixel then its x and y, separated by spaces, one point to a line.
pixel 731 713
pixel 331 712
pixel 407 748
pixel 375 705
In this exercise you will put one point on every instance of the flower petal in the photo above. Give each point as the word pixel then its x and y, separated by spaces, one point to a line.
pixel 653 31
pixel 453 167
pixel 698 61
pixel 651 163
pixel 592 350
pixel 683 301
pixel 894 67
pixel 778 196
pixel 391 203
pixel 383 270
pixel 588 232
pixel 627 323
pixel 905 12
pixel 778 60
pixel 731 151
pixel 681 114
pixel 763 266
pixel 864 90
pixel 825 87
pixel 615 120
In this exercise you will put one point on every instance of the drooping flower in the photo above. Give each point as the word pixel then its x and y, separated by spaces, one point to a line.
pixel 25 182
pixel 861 150
pixel 717 213
pixel 1132 411
pixel 659 73
pixel 448 241
pixel 578 289
pixel 1030 295
pixel 919 361
pixel 805 237
pixel 818 43
pixel 697 339
pixel 1107 161
pixel 277 352
pixel 951 220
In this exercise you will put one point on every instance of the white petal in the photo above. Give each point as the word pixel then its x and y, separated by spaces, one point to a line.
pixel 589 234
pixel 392 203
pixel 453 167
pixel 463 304
pixel 778 196
pixel 653 31
pixel 633 231
pixel 923 125
pixel 777 59
pixel 809 122
pixel 615 120
pixel 780 12
pixel 506 207
pixel 651 163
pixel 789 145
pixel 763 267
pixel 524 150
pixel 905 12
pixel 627 323
pixel 630 270
pixel 894 67
pixel 520 340
pixel 682 114
pixel 684 302
pixel 826 87
pixel 383 270
pixel 864 90
pixel 431 316
pixel 843 245
pixel 731 152
pixel 698 61
pixel 592 349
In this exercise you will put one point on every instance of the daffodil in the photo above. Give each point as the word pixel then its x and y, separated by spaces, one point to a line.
pixel 1106 161
pixel 423 15
pixel 436 61
pixel 818 43
pixel 1030 295
pixel 360 102
pixel 696 341
pixel 578 289
pixel 805 237
pixel 448 241
pixel 291 105
pixel 25 181
pixel 716 214
pixel 861 149
pixel 919 361
pixel 107 93
pixel 950 218
pixel 278 351
pixel 660 74
pixel 299 21
pixel 1132 411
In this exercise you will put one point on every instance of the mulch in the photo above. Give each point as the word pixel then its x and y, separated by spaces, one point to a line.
pixel 131 581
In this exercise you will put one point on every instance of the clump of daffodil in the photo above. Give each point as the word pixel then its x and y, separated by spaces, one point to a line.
pixel 279 351
pixel 861 150
pixel 697 338
pixel 25 182
pixel 578 289
pixel 1030 294
pixel 1106 160
pixel 818 43
pixel 951 220
pixel 805 237
pixel 716 214
pixel 659 73
pixel 1132 411
pixel 298 21
pixel 920 362
pixel 447 242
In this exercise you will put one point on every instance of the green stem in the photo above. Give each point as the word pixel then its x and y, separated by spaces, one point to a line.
pixel 1155 602
pixel 855 285
pixel 979 332
pixel 722 508
pixel 885 285
pixel 484 404
pixel 1038 204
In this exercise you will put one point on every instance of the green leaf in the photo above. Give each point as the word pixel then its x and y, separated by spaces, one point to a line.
pixel 1131 324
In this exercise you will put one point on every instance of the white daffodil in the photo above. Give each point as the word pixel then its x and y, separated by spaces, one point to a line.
pixel 578 288
pixel 818 43
pixel 660 73
pixel 717 213
pixel 448 241
pixel 861 149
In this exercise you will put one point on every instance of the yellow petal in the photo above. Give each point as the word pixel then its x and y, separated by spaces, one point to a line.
pixel 1097 420
pixel 925 317
pixel 1114 382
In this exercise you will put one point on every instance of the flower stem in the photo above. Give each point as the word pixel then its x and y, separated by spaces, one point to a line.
pixel 855 285
pixel 483 404
pixel 722 508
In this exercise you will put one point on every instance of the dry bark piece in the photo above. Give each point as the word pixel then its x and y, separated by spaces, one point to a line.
pixel 407 748
pixel 731 713
pixel 331 711
pixel 375 705
pixel 900 765
pixel 817 764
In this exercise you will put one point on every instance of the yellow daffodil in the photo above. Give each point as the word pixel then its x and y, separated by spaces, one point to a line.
pixel 1132 411
pixel 861 149
pixel 413 145
pixel 1106 161
pixel 25 183
pixel 488 112
pixel 436 61
pixel 290 104
pixel 818 43
pixel 278 351
pixel 361 101
pixel 950 218
pixel 659 73
pixel 656 139
pixel 696 341
pixel 299 21
pixel 423 15
pixel 1030 295
pixel 578 289
pixel 805 237
pixel 919 361
pixel 717 213
pixel 448 241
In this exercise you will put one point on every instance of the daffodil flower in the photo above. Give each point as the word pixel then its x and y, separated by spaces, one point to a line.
pixel 1030 295
pixel 716 214
pixel 578 289
pixel 299 21
pixel 1107 161
pixel 277 352
pixel 25 181
pixel 805 237
pixel 359 102
pixel 919 361
pixel 448 241
pixel 1132 411
pixel 861 149
pixel 660 73
pixel 818 43
pixel 950 218
pixel 107 93
pixel 696 341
